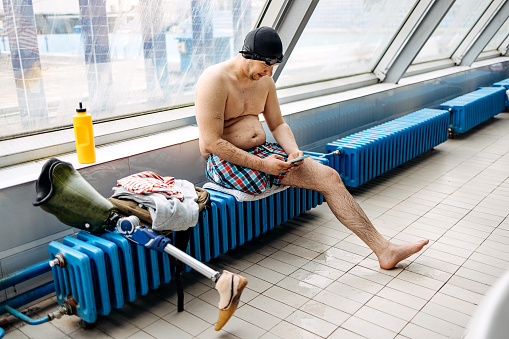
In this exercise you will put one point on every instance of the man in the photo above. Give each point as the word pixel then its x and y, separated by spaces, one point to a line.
pixel 229 98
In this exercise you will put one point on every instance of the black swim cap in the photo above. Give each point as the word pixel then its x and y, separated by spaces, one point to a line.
pixel 263 44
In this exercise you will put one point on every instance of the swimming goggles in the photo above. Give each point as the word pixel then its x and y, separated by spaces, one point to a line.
pixel 269 61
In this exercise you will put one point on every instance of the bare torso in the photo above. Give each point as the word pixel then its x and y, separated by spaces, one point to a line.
pixel 242 126
pixel 230 96
pixel 244 131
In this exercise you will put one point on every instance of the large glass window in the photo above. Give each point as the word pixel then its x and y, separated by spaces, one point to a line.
pixel 498 38
pixel 343 38
pixel 118 57
pixel 452 30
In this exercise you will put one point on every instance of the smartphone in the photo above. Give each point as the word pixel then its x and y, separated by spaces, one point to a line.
pixel 299 158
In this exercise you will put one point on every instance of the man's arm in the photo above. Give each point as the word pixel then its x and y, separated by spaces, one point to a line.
pixel 277 125
pixel 210 101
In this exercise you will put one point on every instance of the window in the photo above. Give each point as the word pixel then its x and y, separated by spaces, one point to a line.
pixel 452 30
pixel 118 57
pixel 343 38
pixel 498 38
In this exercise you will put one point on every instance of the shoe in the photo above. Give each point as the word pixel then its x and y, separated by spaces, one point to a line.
pixel 230 287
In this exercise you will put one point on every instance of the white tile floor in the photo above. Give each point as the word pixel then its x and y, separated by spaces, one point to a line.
pixel 312 278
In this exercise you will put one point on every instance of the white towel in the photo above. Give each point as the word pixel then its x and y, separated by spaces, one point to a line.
pixel 243 196
pixel 167 213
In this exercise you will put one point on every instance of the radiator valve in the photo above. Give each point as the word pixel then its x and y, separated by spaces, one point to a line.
pixel 58 261
pixel 63 310
pixel 68 308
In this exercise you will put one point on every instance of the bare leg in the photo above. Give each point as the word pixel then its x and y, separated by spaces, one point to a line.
pixel 315 176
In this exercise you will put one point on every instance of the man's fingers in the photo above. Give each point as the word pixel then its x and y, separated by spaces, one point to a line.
pixel 276 164
pixel 295 155
pixel 298 163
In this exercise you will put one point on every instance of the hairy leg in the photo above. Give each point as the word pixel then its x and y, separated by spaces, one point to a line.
pixel 315 176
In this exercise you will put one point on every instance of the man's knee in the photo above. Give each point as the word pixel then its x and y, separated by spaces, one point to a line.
pixel 329 177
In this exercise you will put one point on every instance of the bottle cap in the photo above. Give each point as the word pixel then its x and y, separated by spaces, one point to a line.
pixel 81 109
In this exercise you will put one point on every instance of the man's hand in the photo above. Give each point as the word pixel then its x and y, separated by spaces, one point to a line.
pixel 276 164
pixel 296 164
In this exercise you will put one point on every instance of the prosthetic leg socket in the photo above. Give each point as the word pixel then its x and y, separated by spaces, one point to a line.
pixel 63 192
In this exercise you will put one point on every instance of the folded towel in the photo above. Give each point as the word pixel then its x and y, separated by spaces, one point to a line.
pixel 150 182
pixel 167 213
pixel 243 196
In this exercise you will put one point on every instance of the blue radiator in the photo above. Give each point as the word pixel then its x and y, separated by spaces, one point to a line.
pixel 374 151
pixel 473 108
pixel 230 223
pixel 103 271
pixel 504 83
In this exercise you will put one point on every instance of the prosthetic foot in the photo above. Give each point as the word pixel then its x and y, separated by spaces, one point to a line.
pixel 230 287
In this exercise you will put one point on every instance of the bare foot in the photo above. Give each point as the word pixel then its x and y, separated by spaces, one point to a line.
pixel 393 254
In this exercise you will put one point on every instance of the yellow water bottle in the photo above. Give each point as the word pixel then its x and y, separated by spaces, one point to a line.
pixel 84 136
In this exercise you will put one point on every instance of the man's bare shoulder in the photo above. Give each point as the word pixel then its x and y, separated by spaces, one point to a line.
pixel 211 86
pixel 268 82
pixel 217 72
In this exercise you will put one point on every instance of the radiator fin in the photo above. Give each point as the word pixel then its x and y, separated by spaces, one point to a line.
pixel 471 109
pixel 372 152
pixel 504 83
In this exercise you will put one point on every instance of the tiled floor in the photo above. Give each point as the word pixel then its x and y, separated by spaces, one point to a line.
pixel 312 278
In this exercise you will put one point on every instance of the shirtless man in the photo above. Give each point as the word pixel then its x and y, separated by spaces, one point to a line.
pixel 229 98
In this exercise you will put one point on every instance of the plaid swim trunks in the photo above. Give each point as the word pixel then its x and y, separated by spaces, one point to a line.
pixel 244 179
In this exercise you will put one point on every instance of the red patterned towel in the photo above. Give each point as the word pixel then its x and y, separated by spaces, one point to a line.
pixel 150 182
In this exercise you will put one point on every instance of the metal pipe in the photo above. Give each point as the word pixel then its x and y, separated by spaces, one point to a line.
pixel 192 262
pixel 129 228
pixel 324 155
pixel 24 299
pixel 25 318
pixel 29 296
pixel 24 274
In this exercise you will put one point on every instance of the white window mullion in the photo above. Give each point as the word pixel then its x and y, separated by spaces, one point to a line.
pixel 421 23
pixel 288 18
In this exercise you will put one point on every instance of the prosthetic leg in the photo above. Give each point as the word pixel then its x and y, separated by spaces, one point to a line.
pixel 63 192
